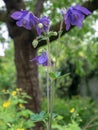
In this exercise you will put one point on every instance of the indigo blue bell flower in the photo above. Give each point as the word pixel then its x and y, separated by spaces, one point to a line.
pixel 42 59
pixel 24 19
pixel 74 15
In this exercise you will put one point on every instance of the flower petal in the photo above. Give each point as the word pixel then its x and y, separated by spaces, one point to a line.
pixel 19 23
pixel 43 58
pixel 82 9
pixel 17 15
pixel 67 21
pixel 27 26
pixel 33 19
pixel 77 18
pixel 39 31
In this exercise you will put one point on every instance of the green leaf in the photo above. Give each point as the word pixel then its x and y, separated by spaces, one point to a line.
pixel 38 117
pixel 54 115
pixel 52 75
pixel 63 75
pixel 58 74
pixel 73 126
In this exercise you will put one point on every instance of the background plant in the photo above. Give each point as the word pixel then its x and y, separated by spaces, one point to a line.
pixel 14 115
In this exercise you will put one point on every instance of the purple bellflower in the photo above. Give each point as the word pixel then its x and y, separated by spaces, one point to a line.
pixel 42 59
pixel 74 15
pixel 24 19
pixel 43 25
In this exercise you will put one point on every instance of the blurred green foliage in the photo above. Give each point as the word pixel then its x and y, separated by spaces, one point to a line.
pixel 83 111
pixel 14 115
pixel 7 69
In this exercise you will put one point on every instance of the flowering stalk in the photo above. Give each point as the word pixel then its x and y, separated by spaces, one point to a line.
pixel 74 16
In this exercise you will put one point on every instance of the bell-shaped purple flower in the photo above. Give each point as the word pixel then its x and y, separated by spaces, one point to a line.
pixel 42 59
pixel 74 15
pixel 43 25
pixel 24 19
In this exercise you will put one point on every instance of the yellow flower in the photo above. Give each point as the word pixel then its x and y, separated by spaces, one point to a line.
pixel 21 105
pixel 6 104
pixel 72 110
pixel 20 129
pixel 13 93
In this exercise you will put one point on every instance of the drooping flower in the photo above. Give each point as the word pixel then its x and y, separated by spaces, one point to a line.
pixel 43 25
pixel 42 59
pixel 24 19
pixel 74 15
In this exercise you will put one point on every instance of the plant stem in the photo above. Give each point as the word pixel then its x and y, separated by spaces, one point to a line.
pixel 49 87
pixel 57 46
pixel 89 124
pixel 48 95
pixel 59 39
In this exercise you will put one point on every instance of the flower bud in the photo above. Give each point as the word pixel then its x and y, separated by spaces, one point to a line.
pixel 55 34
pixel 63 11
pixel 35 43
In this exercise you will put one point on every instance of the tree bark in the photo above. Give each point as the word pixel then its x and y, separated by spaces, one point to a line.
pixel 27 72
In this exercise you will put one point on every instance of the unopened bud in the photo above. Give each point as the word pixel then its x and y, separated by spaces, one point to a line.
pixel 40 25
pixel 63 11
pixel 55 34
pixel 35 43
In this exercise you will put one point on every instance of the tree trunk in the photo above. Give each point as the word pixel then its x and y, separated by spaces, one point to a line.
pixel 27 72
